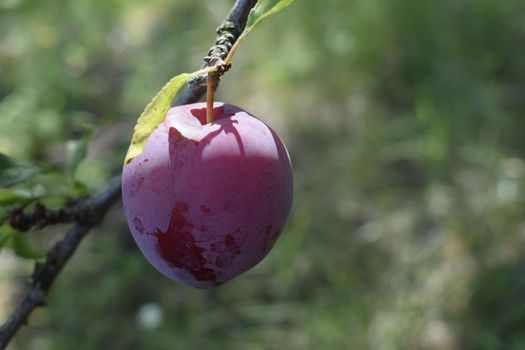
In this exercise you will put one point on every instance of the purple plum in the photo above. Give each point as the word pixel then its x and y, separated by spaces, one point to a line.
pixel 206 202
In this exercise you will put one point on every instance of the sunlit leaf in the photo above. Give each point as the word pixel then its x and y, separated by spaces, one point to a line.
pixel 9 197
pixel 18 195
pixel 13 171
pixel 262 10
pixel 155 111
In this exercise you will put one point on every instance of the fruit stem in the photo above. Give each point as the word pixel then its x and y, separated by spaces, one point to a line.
pixel 210 92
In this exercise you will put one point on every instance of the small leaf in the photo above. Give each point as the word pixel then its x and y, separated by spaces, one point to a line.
pixel 13 171
pixel 6 233
pixel 260 11
pixel 263 9
pixel 18 197
pixel 10 197
pixel 4 214
pixel 76 152
pixel 24 249
pixel 155 112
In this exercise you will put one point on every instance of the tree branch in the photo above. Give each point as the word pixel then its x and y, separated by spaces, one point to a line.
pixel 96 207
pixel 45 273
pixel 41 216
pixel 227 34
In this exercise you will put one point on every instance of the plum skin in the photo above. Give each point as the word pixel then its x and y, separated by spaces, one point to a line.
pixel 206 202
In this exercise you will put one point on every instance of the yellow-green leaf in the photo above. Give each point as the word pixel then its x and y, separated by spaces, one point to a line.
pixel 6 235
pixel 263 9
pixel 155 112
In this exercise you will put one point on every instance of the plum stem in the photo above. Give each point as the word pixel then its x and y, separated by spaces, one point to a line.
pixel 212 82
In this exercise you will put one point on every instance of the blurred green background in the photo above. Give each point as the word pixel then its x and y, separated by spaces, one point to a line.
pixel 405 122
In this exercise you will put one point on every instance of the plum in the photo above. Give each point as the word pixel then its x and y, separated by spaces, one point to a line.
pixel 206 202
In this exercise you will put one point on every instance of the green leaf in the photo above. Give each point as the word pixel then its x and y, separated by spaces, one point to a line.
pixel 13 171
pixel 10 197
pixel 4 214
pixel 18 197
pixel 155 112
pixel 19 242
pixel 76 152
pixel 6 233
pixel 263 9
pixel 24 249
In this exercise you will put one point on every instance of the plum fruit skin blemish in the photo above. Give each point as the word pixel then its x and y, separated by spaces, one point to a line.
pixel 206 202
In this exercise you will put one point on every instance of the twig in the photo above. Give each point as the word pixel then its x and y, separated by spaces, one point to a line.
pixel 227 35
pixel 41 216
pixel 45 273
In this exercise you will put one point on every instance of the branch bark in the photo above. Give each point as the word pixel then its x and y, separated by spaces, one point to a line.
pixel 227 34
pixel 41 216
pixel 45 273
